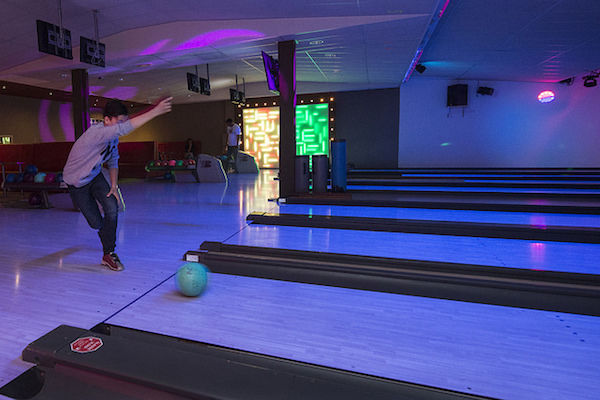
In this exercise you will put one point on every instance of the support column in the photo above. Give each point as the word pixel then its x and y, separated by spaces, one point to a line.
pixel 81 107
pixel 287 115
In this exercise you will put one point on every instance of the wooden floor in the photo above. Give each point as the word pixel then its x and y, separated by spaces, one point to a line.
pixel 51 275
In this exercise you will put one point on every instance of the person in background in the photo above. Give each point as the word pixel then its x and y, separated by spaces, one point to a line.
pixel 83 171
pixel 233 140
pixel 190 151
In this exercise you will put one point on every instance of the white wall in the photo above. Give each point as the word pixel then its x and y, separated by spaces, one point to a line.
pixel 509 129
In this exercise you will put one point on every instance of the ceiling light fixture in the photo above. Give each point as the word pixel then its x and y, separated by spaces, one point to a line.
pixel 567 81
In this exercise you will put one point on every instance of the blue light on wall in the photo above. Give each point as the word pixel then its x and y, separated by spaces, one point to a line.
pixel 546 96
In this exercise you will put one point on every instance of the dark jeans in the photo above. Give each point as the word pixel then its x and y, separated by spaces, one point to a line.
pixel 232 153
pixel 87 198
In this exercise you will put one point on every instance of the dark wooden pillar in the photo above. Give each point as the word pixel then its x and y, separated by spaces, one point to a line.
pixel 287 101
pixel 81 107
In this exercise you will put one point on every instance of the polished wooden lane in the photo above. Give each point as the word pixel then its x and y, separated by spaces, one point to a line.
pixel 550 256
pixel 50 259
pixel 534 219
pixel 502 352
pixel 50 275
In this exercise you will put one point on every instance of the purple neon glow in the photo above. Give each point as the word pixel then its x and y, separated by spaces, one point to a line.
pixel 413 64
pixel 443 10
pixel 432 25
pixel 546 96
pixel 537 252
pixel 43 125
pixel 209 38
pixel 121 92
pixel 65 115
pixel 153 49
pixel 92 89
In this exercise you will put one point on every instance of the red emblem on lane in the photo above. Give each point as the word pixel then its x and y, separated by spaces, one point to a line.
pixel 86 344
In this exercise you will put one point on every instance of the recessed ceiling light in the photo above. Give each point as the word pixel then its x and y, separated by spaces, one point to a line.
pixel 315 42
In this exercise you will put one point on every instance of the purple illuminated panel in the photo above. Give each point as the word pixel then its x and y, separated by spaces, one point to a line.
pixel 153 49
pixel 209 38
pixel 45 131
pixel 65 114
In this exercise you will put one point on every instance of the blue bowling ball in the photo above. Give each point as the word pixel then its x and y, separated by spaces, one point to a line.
pixel 40 177
pixel 19 178
pixel 31 169
pixel 191 279
pixel 59 177
pixel 11 178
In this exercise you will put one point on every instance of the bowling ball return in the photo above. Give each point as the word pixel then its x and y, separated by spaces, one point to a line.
pixel 169 172
pixel 42 188
pixel 205 168
pixel 113 362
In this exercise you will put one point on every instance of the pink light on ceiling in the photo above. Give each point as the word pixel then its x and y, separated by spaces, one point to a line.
pixel 121 92
pixel 209 38
pixel 153 49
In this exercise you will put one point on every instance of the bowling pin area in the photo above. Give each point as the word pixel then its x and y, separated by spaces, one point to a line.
pixel 51 275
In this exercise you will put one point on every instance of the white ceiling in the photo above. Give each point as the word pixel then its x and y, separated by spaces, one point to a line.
pixel 517 40
pixel 342 44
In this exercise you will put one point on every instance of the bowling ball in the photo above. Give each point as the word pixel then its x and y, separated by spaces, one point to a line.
pixel 11 178
pixel 28 178
pixel 151 164
pixel 35 199
pixel 50 178
pixel 192 162
pixel 191 279
pixel 39 177
pixel 179 163
pixel 59 177
pixel 168 176
pixel 19 178
pixel 172 163
pixel 31 169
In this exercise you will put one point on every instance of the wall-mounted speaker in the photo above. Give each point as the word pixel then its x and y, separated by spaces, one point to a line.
pixel 485 91
pixel 458 95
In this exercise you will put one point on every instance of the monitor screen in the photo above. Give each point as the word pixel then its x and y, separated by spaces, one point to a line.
pixel 204 86
pixel 89 53
pixel 237 97
pixel 271 71
pixel 193 83
pixel 50 40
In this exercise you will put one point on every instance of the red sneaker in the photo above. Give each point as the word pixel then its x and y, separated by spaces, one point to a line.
pixel 111 260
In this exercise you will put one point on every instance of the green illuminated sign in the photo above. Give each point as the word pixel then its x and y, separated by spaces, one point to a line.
pixel 312 129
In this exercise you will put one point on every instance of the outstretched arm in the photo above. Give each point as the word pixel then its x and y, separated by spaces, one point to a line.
pixel 162 107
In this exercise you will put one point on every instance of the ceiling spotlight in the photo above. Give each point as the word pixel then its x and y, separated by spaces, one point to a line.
pixel 420 68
